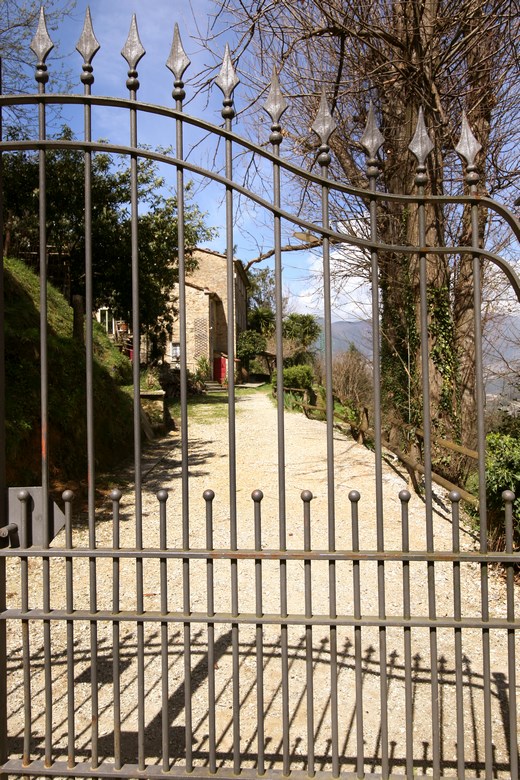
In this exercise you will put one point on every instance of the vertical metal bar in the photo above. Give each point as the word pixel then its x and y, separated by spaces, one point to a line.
pixel 3 484
pixel 115 497
pixel 372 171
pixel 133 85
pixel 257 497
pixel 87 79
pixel 306 497
pixel 42 78
pixel 228 113
pixel 209 495
pixel 275 139
pixel 179 95
pixel 428 493
pixel 472 179
pixel 324 160
pixel 24 498
pixel 509 497
pixel 68 497
pixel 457 614
pixel 162 497
pixel 404 497
pixel 188 726
pixel 354 497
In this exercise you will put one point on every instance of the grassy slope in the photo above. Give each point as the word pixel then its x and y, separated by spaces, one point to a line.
pixel 67 404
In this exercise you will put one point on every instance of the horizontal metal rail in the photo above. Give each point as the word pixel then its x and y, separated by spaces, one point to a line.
pixel 251 618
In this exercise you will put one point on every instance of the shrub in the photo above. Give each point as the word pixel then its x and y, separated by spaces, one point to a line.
pixel 296 376
pixel 352 377
pixel 249 345
pixel 203 371
pixel 502 473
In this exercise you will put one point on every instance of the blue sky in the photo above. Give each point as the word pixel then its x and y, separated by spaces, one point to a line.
pixel 156 19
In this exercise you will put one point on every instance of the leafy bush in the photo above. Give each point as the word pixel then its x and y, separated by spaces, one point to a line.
pixel 502 473
pixel 250 343
pixel 203 371
pixel 297 376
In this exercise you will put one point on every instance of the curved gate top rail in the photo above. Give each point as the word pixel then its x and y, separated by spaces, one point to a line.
pixel 275 105
pixel 327 631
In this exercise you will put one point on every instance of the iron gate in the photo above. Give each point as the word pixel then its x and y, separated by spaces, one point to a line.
pixel 336 645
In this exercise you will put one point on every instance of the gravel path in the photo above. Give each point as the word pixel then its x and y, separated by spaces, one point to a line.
pixel 378 666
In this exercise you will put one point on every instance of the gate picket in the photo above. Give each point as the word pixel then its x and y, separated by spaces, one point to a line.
pixel 292 632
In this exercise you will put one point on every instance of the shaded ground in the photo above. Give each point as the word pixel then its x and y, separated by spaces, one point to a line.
pixel 390 686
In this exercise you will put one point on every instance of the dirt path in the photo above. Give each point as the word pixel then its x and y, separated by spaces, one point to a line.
pixel 378 668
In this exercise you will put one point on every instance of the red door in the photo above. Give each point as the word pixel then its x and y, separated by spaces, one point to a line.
pixel 219 368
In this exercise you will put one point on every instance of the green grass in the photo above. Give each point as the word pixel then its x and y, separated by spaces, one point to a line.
pixel 202 408
pixel 67 395
pixel 211 407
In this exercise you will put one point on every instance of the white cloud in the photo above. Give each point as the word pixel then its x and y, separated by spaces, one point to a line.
pixel 351 297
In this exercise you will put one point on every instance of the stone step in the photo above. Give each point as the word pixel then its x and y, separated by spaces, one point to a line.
pixel 213 387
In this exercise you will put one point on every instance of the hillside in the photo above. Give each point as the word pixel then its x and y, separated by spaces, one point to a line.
pixel 67 401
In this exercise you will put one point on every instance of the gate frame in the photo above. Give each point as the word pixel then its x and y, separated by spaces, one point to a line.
pixel 323 127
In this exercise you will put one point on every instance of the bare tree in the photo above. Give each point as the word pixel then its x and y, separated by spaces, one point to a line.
pixel 18 24
pixel 445 56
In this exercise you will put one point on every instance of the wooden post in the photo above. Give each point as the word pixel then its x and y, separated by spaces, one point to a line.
pixel 78 327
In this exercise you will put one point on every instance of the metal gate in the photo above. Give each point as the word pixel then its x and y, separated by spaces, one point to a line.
pixel 336 643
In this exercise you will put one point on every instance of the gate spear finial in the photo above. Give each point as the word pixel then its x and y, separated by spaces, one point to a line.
pixel 133 51
pixel 87 46
pixel 177 62
pixel 468 148
pixel 421 146
pixel 275 105
pixel 42 45
pixel 372 140
pixel 226 81
pixel 324 125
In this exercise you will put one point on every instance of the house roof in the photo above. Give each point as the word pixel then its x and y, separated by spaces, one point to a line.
pixel 239 266
pixel 199 287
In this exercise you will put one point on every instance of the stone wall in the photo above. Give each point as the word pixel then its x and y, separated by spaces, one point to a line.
pixel 206 309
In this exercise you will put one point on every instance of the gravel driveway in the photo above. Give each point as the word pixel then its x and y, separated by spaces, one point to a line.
pixel 378 665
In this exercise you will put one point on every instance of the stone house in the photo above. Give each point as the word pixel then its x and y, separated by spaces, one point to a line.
pixel 207 313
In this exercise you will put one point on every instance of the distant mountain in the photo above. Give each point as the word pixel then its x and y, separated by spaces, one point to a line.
pixel 356 332
pixel 501 348
pixel 348 332
pixel 502 355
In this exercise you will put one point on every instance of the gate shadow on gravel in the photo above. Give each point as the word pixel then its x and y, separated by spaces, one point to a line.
pixel 473 685
pixel 152 733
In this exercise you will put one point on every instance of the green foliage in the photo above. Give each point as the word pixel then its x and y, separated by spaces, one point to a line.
pixel 261 319
pixel 297 376
pixel 262 289
pixel 301 328
pixel 149 379
pixel 203 371
pixel 111 229
pixel 300 333
pixel 67 401
pixel 250 343
pixel 258 366
pixel 502 473
pixel 261 303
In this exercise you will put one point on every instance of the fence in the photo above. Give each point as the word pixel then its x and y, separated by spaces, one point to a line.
pixel 367 636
